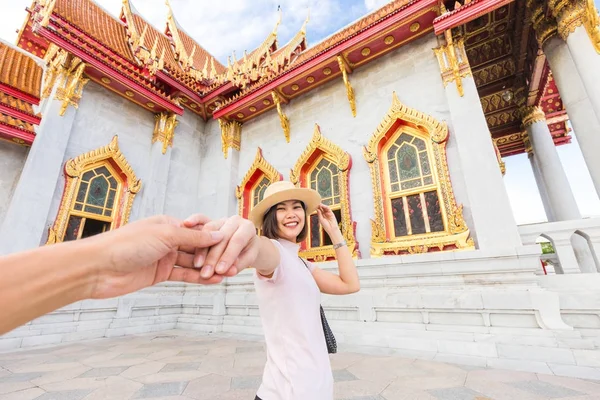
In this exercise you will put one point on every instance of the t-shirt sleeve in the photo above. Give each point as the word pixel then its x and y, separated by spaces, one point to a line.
pixel 278 273
pixel 311 266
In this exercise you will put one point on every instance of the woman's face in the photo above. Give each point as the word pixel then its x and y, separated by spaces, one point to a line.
pixel 290 219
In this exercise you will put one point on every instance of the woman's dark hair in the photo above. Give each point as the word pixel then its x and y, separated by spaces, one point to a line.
pixel 269 224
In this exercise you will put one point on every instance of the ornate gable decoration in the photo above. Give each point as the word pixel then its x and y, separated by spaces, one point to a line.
pixel 129 186
pixel 259 176
pixel 320 148
pixel 415 208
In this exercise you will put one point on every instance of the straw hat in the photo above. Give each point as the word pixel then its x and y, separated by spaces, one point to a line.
pixel 283 191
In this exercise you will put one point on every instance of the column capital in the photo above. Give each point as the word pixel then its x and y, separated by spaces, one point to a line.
pixel 527 143
pixel 570 14
pixel 531 114
pixel 545 27
pixel 164 129
pixel 453 61
pixel 231 135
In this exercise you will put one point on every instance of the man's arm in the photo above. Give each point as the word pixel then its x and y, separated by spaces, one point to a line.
pixel 111 264
pixel 42 280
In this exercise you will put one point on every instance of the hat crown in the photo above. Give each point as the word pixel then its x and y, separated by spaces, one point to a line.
pixel 279 186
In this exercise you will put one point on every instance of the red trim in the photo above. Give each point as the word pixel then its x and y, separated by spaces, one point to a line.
pixel 225 88
pixel 179 86
pixel 19 94
pixel 88 58
pixel 466 13
pixel 32 119
pixel 13 132
pixel 331 52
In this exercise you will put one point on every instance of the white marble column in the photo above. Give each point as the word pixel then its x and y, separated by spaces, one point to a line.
pixel 154 190
pixel 24 226
pixel 571 17
pixel 537 174
pixel 493 222
pixel 585 122
pixel 560 197
pixel 226 204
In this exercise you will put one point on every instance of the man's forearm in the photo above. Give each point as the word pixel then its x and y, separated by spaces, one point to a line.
pixel 44 279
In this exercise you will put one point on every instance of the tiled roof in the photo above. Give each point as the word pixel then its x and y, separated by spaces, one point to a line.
pixel 97 23
pixel 20 71
pixel 354 29
pixel 16 123
pixel 15 103
pixel 337 38
pixel 200 55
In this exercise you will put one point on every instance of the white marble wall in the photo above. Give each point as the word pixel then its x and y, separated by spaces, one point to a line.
pixel 101 115
pixel 186 166
pixel 12 159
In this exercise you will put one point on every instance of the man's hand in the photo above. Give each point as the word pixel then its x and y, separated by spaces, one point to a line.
pixel 238 249
pixel 145 252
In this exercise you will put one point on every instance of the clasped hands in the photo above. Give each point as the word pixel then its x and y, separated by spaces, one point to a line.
pixel 161 248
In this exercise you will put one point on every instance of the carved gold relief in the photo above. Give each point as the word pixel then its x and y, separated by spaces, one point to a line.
pixel 285 122
pixel 530 115
pixel 453 61
pixel 231 135
pixel 501 163
pixel 320 146
pixel 349 89
pixel 55 59
pixel 383 239
pixel 494 72
pixel 128 186
pixel 260 167
pixel 71 85
pixel 164 129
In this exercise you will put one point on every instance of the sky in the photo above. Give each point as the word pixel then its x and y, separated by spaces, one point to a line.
pixel 236 25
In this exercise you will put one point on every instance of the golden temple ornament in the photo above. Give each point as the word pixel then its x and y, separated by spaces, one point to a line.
pixel 335 154
pixel 259 166
pixel 435 134
pixel 71 85
pixel 129 186
pixel 231 135
pixel 285 122
pixel 349 89
pixel 164 129
pixel 453 61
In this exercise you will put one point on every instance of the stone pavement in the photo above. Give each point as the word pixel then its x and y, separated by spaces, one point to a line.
pixel 187 365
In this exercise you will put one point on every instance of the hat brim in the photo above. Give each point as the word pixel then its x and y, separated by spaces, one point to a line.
pixel 309 197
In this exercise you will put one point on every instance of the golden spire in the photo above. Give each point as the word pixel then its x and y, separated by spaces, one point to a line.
pixel 143 37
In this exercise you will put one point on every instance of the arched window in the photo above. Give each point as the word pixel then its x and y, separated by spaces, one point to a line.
pixel 324 167
pixel 415 209
pixel 98 194
pixel 252 189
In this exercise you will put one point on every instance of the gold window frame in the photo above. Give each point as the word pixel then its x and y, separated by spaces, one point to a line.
pixel 299 176
pixel 244 191
pixel 456 234
pixel 128 186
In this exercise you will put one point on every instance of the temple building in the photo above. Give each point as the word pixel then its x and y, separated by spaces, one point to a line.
pixel 401 120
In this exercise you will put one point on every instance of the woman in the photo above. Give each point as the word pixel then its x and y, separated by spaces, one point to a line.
pixel 288 290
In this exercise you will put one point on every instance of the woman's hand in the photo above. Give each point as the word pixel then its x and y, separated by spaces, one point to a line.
pixel 327 220
pixel 236 252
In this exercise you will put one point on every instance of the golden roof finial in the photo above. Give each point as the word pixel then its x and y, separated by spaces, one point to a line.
pixel 303 30
pixel 191 58
pixel 154 48
pixel 143 37
pixel 170 14
pixel 213 70
pixel 205 69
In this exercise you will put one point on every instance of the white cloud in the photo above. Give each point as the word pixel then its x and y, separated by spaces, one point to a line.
pixel 375 4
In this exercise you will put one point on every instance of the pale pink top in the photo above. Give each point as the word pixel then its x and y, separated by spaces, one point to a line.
pixel 298 366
